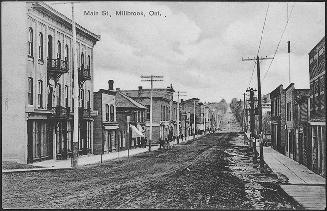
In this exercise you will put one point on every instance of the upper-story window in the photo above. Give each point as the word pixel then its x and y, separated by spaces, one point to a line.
pixel 30 91
pixel 40 46
pixel 40 94
pixel 289 111
pixel 66 53
pixel 147 112
pixel 321 51
pixel 107 112
pixel 82 60
pixel 88 99
pixel 30 42
pixel 88 62
pixel 59 50
pixel 66 96
pixel 112 113
pixel 50 47
pixel 82 98
pixel 58 94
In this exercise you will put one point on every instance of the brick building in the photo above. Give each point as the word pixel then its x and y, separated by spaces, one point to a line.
pixel 278 119
pixel 187 107
pixel 106 138
pixel 37 89
pixel 162 105
pixel 317 118
pixel 295 119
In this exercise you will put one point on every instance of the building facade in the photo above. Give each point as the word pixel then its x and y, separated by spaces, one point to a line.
pixel 131 119
pixel 106 137
pixel 161 103
pixel 317 105
pixel 41 104
pixel 278 120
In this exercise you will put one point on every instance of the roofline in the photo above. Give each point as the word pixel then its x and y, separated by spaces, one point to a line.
pixel 289 86
pixel 316 45
pixel 132 101
pixel 64 18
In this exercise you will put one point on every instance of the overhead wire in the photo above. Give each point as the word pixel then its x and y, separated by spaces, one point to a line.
pixel 261 36
pixel 281 37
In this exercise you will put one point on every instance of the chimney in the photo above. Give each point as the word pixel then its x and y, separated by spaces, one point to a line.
pixel 111 84
pixel 140 88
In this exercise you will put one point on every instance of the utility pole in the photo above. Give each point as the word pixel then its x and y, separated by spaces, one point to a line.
pixel 244 113
pixel 151 110
pixel 289 60
pixel 252 123
pixel 76 92
pixel 179 93
pixel 194 121
pixel 257 59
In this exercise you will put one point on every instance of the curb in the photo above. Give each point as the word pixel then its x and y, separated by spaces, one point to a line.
pixel 35 169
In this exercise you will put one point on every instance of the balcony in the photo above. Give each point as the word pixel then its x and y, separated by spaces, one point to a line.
pixel 84 74
pixel 60 112
pixel 56 67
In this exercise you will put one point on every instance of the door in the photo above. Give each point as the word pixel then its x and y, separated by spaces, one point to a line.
pixel 29 141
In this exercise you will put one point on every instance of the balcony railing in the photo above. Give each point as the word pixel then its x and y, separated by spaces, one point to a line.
pixel 60 111
pixel 57 66
pixel 84 74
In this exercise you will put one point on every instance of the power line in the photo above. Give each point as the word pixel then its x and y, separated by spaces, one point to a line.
pixel 261 36
pixel 263 28
pixel 281 37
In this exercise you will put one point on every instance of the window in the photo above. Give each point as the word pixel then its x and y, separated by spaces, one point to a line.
pixel 88 99
pixel 40 94
pixel 289 111
pixel 107 112
pixel 66 96
pixel 88 62
pixel 41 46
pixel 49 47
pixel 321 51
pixel 112 113
pixel 82 98
pixel 30 42
pixel 58 94
pixel 59 50
pixel 147 112
pixel 66 53
pixel 30 91
pixel 82 60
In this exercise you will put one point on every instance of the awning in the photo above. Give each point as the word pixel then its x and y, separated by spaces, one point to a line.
pixel 135 132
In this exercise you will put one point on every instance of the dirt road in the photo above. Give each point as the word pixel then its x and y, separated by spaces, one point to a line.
pixel 213 172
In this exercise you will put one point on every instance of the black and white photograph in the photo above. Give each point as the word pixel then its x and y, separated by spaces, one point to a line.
pixel 216 105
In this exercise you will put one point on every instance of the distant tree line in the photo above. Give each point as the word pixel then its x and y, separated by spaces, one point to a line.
pixel 237 108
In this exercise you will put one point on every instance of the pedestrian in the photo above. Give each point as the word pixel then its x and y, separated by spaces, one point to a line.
pixel 145 140
pixel 160 143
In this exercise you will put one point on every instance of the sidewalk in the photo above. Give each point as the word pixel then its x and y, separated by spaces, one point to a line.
pixel 90 159
pixel 304 186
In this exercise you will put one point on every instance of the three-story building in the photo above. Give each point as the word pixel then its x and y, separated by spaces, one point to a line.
pixel 37 88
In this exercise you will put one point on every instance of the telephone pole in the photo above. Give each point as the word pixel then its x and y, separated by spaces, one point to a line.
pixel 179 93
pixel 252 123
pixel 257 59
pixel 151 79
pixel 76 92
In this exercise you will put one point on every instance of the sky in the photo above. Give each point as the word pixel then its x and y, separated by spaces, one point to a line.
pixel 198 46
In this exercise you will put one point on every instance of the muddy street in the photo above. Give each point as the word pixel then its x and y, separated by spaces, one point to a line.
pixel 215 171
